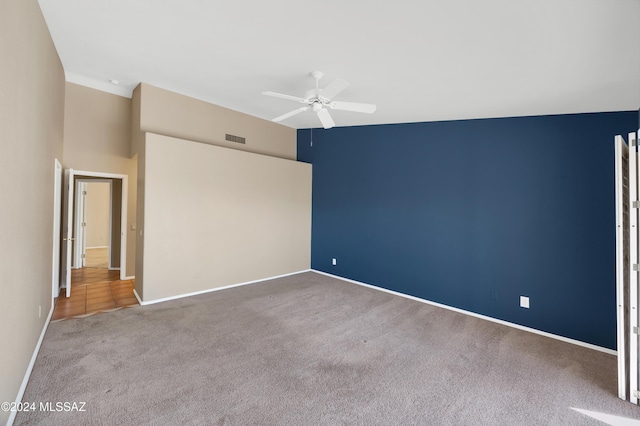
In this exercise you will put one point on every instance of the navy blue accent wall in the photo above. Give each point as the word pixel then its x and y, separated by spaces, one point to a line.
pixel 475 213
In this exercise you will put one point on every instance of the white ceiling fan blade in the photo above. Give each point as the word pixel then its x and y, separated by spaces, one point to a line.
pixel 335 87
pixel 353 106
pixel 290 114
pixel 283 96
pixel 325 118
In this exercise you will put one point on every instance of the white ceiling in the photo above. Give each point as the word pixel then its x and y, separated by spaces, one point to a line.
pixel 421 60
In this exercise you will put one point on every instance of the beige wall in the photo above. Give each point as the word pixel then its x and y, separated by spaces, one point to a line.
pixel 137 152
pixel 31 123
pixel 159 111
pixel 216 216
pixel 140 212
pixel 98 203
pixel 97 138
pixel 167 113
pixel 137 136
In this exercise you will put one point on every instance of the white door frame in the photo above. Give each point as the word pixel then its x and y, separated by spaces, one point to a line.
pixel 633 273
pixel 123 213
pixel 78 228
pixel 57 206
pixel 622 193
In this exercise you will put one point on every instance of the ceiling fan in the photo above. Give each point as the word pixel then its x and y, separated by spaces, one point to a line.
pixel 320 99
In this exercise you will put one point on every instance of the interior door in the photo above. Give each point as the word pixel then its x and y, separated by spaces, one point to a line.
pixel 633 269
pixel 623 210
pixel 57 207
pixel 80 223
pixel 83 242
pixel 67 224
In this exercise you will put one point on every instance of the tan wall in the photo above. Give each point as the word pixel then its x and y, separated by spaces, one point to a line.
pixel 168 113
pixel 98 203
pixel 137 152
pixel 137 137
pixel 216 216
pixel 160 111
pixel 97 138
pixel 140 212
pixel 31 123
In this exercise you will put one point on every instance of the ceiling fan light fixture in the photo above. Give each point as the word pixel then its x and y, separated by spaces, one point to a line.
pixel 317 99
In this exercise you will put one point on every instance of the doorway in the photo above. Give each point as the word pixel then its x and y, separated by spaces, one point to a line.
pixel 74 222
pixel 97 224
pixel 99 281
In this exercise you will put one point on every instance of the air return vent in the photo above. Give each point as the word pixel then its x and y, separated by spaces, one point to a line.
pixel 232 138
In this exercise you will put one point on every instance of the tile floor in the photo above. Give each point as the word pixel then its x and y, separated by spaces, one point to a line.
pixel 92 291
pixel 97 257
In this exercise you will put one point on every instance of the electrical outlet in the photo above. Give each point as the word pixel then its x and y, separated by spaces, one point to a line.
pixel 524 302
pixel 334 262
pixel 39 311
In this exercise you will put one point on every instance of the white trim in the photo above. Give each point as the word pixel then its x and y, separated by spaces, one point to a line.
pixel 621 152
pixel 79 216
pixel 57 222
pixel 27 374
pixel 135 293
pixel 132 277
pixel 99 174
pixel 473 314
pixel 124 212
pixel 96 247
pixel 110 268
pixel 633 275
pixel 195 293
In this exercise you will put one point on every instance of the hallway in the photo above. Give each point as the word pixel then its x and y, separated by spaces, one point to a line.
pixel 93 291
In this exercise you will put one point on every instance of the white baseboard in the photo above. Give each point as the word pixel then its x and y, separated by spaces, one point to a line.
pixel 113 269
pixel 195 293
pixel 473 314
pixel 96 247
pixel 27 374
pixel 135 293
pixel 132 277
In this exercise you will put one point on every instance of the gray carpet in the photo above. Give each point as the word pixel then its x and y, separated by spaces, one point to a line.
pixel 312 350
